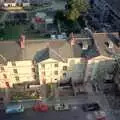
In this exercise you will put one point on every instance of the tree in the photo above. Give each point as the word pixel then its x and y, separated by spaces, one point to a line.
pixel 75 8
pixel 59 16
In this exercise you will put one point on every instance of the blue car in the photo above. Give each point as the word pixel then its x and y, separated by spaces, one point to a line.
pixel 14 109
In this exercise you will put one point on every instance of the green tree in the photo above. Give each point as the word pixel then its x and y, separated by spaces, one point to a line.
pixel 75 8
pixel 59 16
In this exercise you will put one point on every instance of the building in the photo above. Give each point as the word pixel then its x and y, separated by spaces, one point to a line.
pixel 41 21
pixel 80 59
pixel 108 11
pixel 103 66
pixel 58 63
pixel 21 72
pixel 9 3
pixel 15 3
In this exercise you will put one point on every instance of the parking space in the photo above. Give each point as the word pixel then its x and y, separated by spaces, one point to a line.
pixel 76 114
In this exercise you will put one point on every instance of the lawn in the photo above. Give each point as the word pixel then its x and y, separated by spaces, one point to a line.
pixel 12 32
pixel 1 13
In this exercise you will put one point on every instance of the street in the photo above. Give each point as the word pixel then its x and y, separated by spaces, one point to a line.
pixel 77 114
pixel 92 96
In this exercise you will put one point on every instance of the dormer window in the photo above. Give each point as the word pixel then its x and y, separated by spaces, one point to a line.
pixel 85 45
pixel 109 44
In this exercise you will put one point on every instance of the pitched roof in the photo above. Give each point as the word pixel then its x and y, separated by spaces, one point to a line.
pixel 10 50
pixel 101 39
pixel 48 48
pixel 10 1
pixel 85 44
pixel 61 52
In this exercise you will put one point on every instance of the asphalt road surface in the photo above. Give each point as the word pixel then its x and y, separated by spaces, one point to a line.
pixel 73 114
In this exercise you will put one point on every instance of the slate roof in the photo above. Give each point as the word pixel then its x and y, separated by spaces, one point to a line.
pixel 59 49
pixel 58 52
pixel 101 38
pixel 10 50
pixel 85 39
pixel 48 48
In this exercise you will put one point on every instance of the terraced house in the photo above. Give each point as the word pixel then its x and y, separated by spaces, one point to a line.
pixel 78 59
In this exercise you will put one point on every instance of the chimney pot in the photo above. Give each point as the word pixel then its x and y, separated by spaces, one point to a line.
pixel 73 39
pixel 22 41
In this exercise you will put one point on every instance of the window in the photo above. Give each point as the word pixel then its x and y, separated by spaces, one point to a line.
pixel 33 69
pixel 5 76
pixel 13 64
pixel 72 62
pixel 2 69
pixel 15 71
pixel 17 78
pixel 56 72
pixel 43 73
pixel 33 62
pixel 64 67
pixel 64 74
pixel 56 65
pixel 43 65
pixel 35 77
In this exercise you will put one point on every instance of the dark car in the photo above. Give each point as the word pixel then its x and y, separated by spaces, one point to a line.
pixel 108 81
pixel 90 107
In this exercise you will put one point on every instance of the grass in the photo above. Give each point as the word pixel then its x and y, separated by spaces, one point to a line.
pixel 1 13
pixel 13 32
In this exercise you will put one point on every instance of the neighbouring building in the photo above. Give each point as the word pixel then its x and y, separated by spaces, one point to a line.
pixel 21 72
pixel 9 3
pixel 41 21
pixel 103 66
pixel 15 3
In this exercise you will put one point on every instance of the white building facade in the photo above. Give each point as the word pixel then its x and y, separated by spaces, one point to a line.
pixel 17 72
pixel 54 71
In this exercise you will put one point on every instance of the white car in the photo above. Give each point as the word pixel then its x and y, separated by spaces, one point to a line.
pixel 61 107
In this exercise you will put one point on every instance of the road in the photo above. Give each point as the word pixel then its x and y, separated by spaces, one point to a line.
pixel 72 114
pixel 74 101
pixel 77 101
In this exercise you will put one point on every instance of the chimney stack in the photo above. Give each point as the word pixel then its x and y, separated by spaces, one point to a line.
pixel 72 39
pixel 22 41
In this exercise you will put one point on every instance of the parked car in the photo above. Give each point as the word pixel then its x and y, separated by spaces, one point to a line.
pixel 108 81
pixel 14 109
pixel 61 107
pixel 100 115
pixel 40 107
pixel 106 91
pixel 90 107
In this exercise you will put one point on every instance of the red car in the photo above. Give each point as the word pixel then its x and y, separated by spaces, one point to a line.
pixel 41 107
pixel 102 118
